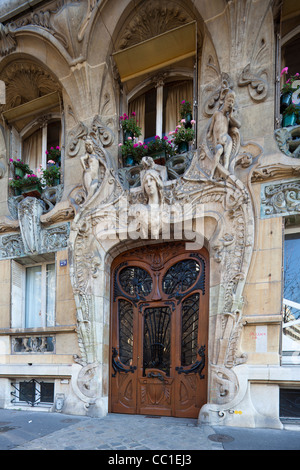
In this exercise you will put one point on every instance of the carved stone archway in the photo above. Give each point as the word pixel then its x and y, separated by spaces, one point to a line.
pixel 213 205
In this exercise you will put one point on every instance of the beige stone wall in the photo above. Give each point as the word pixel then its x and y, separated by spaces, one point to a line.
pixel 263 291
pixel 5 298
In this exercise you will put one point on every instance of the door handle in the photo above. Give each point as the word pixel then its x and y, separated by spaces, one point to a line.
pixel 156 376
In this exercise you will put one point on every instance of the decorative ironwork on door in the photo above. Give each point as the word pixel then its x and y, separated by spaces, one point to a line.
pixel 159 331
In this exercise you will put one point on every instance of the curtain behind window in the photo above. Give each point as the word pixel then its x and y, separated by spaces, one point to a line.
pixel 32 150
pixel 33 294
pixel 50 295
pixel 138 106
pixel 175 94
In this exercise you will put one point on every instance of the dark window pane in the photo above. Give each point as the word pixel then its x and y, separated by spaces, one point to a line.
pixel 135 281
pixel 189 330
pixel 27 391
pixel 125 332
pixel 181 276
pixel 289 403
pixel 47 392
pixel 150 114
pixel 157 337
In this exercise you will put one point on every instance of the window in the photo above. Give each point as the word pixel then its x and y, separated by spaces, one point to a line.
pixel 33 295
pixel 35 143
pixel 157 109
pixel 33 392
pixel 291 300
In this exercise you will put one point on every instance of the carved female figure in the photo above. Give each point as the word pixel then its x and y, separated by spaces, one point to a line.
pixel 222 126
pixel 90 163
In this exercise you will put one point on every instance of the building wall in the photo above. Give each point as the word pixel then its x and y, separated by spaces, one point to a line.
pixel 71 49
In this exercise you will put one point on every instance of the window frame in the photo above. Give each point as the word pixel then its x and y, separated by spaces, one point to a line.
pixel 40 122
pixel 18 304
pixel 38 382
pixel 159 82
pixel 290 356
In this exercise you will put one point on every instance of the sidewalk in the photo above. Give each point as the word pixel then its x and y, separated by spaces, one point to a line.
pixel 26 430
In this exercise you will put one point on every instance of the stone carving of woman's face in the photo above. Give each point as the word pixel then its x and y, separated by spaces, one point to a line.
pixel 150 185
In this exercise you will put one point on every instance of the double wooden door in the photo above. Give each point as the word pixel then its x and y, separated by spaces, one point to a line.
pixel 159 329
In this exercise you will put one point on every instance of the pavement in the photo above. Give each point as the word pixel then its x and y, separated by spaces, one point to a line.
pixel 122 435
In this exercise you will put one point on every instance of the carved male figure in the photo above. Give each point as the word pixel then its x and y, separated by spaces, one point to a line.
pixel 220 130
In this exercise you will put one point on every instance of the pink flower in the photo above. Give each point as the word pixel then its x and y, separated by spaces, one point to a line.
pixel 11 160
pixel 135 145
pixel 183 101
pixel 129 138
pixel 165 137
pixel 193 121
pixel 157 137
pixel 47 152
pixel 57 148
pixel 50 161
pixel 120 145
pixel 284 70
pixel 182 120
pixel 133 113
pixel 145 147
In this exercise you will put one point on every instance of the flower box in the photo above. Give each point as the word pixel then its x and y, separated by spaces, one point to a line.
pixel 289 120
pixel 159 157
pixel 183 147
pixel 31 191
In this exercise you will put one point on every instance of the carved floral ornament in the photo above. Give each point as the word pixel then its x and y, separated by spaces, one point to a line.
pixel 213 186
pixel 53 20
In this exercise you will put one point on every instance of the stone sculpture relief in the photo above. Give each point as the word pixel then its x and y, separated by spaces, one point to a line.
pixel 93 170
pixel 282 198
pixel 210 183
pixel 30 235
pixel 224 133
pixel 288 140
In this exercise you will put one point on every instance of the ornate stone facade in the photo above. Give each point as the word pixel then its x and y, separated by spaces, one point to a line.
pixel 220 194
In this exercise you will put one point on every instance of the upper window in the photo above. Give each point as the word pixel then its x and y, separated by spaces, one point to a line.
pixel 157 109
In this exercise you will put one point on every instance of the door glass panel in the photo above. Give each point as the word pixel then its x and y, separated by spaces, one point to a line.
pixel 135 281
pixel 125 332
pixel 181 276
pixel 157 339
pixel 189 330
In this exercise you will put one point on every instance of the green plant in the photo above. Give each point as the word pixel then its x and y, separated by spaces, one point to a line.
pixel 51 175
pixel 28 180
pixel 185 108
pixel 181 134
pixel 292 109
pixel 160 145
pixel 288 85
pixel 129 124
pixel 139 149
pixel 19 164
pixel 54 153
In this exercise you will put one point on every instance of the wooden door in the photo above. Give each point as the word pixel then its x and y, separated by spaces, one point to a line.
pixel 159 329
